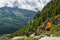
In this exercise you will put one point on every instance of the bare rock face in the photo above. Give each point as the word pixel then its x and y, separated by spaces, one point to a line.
pixel 50 38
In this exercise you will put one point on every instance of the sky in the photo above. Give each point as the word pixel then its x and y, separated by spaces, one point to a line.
pixel 34 5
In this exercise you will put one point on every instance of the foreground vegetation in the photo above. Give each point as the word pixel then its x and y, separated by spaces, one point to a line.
pixel 29 38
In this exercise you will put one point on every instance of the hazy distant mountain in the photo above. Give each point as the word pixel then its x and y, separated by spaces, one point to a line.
pixel 12 19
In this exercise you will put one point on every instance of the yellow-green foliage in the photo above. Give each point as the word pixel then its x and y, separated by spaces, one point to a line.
pixel 55 30
pixel 29 38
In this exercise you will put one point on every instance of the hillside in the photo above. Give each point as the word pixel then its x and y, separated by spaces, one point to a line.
pixel 50 12
pixel 12 19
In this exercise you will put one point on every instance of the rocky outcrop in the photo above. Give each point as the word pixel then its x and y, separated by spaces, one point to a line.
pixel 50 38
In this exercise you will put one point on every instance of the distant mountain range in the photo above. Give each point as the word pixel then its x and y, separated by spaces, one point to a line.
pixel 14 18
pixel 17 13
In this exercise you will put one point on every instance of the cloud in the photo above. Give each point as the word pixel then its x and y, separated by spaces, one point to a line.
pixel 24 4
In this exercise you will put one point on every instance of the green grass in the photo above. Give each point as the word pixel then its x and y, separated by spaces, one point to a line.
pixel 29 38
pixel 55 30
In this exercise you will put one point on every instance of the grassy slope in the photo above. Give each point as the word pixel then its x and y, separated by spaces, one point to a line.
pixel 50 12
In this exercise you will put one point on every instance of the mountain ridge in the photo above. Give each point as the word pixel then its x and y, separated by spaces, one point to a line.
pixel 11 19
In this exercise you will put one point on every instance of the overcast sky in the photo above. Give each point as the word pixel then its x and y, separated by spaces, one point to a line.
pixel 24 4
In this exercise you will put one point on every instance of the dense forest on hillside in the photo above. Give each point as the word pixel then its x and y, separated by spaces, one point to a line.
pixel 50 12
pixel 12 19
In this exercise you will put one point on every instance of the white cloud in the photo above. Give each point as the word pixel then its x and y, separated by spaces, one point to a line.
pixel 24 4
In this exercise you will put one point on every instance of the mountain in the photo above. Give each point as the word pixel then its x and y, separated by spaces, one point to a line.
pixel 50 12
pixel 17 13
pixel 33 5
pixel 14 18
